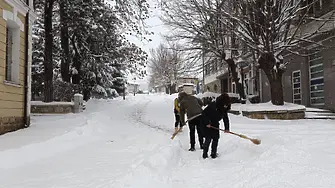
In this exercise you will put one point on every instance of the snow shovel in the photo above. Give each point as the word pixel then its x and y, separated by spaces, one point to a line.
pixel 255 141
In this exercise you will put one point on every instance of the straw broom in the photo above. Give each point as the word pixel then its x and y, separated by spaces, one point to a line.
pixel 255 141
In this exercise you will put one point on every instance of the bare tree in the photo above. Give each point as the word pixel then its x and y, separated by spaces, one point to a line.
pixel 166 65
pixel 198 23
pixel 269 28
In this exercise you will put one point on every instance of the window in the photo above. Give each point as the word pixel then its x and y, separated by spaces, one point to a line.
pixel 234 87
pixel 9 60
pixel 12 57
pixel 296 82
pixel 316 78
pixel 207 71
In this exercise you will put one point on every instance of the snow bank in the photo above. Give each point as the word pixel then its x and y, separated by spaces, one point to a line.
pixel 207 94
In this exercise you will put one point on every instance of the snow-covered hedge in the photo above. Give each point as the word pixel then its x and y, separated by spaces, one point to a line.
pixel 100 92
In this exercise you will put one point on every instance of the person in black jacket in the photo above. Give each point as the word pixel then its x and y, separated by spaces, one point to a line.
pixel 214 112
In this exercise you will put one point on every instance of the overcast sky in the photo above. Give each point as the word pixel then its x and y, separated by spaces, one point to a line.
pixel 155 25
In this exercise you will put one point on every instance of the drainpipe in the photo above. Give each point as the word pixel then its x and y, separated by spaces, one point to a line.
pixel 203 71
pixel 25 117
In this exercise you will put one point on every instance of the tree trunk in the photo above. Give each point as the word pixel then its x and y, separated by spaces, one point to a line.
pixel 48 63
pixel 64 34
pixel 239 86
pixel 76 78
pixel 277 97
pixel 267 63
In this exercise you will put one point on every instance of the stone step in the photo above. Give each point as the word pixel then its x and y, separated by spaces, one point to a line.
pixel 317 110
pixel 319 115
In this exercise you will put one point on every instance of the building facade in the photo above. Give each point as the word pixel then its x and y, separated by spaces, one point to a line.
pixel 132 87
pixel 16 18
pixel 218 77
pixel 309 80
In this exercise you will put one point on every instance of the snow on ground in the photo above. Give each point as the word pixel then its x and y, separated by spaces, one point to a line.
pixel 121 144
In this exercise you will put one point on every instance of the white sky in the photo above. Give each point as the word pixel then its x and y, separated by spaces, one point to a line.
pixel 154 25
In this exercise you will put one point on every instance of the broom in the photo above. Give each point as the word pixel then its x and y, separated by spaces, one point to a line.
pixel 255 141
pixel 175 133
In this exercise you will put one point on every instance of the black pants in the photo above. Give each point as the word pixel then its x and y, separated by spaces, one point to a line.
pixel 208 141
pixel 196 123
pixel 177 120
pixel 225 120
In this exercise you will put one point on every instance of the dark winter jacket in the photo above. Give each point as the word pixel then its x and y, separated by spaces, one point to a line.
pixel 190 105
pixel 212 116
pixel 214 112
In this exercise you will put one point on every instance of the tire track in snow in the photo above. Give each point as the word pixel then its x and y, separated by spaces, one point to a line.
pixel 138 116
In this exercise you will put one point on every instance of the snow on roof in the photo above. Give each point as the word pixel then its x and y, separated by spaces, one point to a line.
pixel 132 83
pixel 186 84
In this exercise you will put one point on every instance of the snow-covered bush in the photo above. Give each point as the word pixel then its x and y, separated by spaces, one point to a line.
pixel 112 93
pixel 64 91
pixel 99 92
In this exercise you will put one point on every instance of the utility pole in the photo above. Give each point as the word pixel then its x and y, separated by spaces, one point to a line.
pixel 124 91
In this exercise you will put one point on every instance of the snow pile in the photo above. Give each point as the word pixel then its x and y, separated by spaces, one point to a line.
pixel 156 169
pixel 209 94
pixel 186 84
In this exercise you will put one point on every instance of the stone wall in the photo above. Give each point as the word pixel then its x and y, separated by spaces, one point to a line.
pixel 77 106
pixel 9 124
pixel 282 115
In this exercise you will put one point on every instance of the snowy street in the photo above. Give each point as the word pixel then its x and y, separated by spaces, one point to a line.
pixel 119 144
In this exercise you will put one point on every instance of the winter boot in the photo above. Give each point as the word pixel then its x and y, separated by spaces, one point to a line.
pixel 175 129
pixel 192 148
pixel 204 155
pixel 214 155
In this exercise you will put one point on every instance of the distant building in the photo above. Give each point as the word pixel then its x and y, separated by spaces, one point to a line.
pixel 16 22
pixel 218 78
pixel 310 80
pixel 188 84
pixel 132 87
pixel 160 88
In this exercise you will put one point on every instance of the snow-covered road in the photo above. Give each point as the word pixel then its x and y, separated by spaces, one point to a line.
pixel 120 144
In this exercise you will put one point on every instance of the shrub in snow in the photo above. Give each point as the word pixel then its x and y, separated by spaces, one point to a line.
pixel 112 93
pixel 64 91
pixel 99 92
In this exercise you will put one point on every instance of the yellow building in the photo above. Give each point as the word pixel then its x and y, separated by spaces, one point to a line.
pixel 16 18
